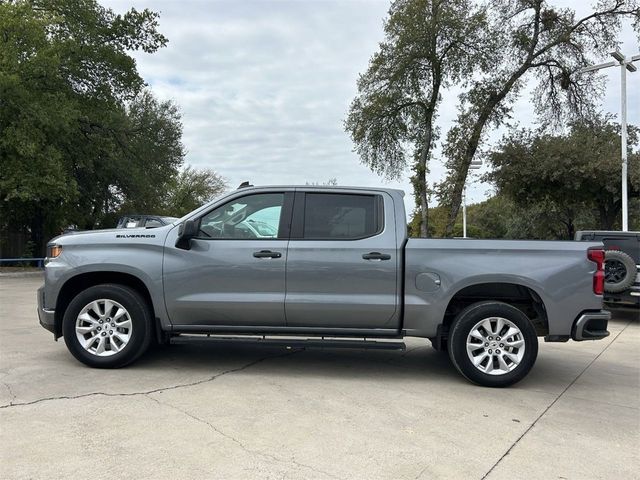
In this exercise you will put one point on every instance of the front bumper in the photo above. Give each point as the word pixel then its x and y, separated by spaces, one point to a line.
pixel 46 316
pixel 591 326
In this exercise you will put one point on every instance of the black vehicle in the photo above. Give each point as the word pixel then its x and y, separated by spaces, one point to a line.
pixel 144 221
pixel 622 265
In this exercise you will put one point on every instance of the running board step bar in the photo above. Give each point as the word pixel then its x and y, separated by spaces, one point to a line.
pixel 290 342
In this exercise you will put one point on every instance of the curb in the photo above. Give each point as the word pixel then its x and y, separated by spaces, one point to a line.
pixel 21 274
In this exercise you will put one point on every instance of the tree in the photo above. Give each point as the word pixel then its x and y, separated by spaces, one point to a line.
pixel 533 40
pixel 74 128
pixel 140 166
pixel 500 217
pixel 190 189
pixel 573 179
pixel 428 46
pixel 491 218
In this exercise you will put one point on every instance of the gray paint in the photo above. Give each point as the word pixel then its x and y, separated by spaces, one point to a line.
pixel 330 284
pixel 219 282
pixel 428 282
pixel 323 286
pixel 559 272
pixel 101 251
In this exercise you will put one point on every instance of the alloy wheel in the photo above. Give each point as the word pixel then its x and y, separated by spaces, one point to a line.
pixel 103 327
pixel 495 346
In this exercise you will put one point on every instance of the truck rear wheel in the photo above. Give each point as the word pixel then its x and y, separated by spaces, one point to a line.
pixel 493 344
pixel 107 326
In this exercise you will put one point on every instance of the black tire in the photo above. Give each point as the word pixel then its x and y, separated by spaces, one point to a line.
pixel 619 271
pixel 139 313
pixel 467 320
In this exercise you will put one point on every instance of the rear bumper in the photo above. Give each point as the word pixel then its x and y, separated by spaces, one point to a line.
pixel 591 326
pixel 46 317
pixel 629 298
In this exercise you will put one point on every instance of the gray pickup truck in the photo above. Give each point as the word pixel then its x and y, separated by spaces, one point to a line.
pixel 327 265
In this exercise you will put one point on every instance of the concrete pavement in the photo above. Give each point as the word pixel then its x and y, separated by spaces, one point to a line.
pixel 241 411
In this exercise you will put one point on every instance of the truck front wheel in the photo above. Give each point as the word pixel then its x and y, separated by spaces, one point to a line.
pixel 107 326
pixel 492 344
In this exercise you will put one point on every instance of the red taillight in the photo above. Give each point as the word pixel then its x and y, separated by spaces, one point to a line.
pixel 597 255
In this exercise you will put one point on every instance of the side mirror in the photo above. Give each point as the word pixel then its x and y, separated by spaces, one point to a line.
pixel 186 231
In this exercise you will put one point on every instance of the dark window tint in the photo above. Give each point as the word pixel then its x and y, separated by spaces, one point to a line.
pixel 342 216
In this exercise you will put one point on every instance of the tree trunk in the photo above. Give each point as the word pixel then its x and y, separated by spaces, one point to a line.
pixel 424 215
pixel 37 235
pixel 608 215
pixel 569 223
pixel 471 146
pixel 420 181
pixel 460 177
pixel 571 230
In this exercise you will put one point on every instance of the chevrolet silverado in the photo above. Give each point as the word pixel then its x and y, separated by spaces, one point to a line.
pixel 328 265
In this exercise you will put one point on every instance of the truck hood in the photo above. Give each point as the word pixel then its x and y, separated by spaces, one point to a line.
pixel 112 235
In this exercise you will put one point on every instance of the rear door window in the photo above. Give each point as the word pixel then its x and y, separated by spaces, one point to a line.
pixel 334 216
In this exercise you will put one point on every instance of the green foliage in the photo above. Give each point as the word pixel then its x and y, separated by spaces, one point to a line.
pixel 499 217
pixel 550 186
pixel 534 41
pixel 491 50
pixel 80 138
pixel 33 111
pixel 149 154
pixel 488 219
pixel 190 189
pixel 428 45
pixel 575 176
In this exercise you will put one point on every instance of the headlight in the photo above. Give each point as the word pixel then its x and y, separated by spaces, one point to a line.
pixel 54 251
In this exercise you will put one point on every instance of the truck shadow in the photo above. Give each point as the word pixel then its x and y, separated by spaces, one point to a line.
pixel 624 314
pixel 418 361
pixel 555 367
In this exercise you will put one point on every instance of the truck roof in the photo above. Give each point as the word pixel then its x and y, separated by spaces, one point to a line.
pixel 323 187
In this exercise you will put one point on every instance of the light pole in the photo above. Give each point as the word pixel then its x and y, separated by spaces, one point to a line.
pixel 625 64
pixel 474 165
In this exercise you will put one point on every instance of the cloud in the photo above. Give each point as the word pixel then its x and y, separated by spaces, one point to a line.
pixel 264 86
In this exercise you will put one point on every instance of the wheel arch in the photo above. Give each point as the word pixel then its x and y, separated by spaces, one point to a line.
pixel 523 297
pixel 82 281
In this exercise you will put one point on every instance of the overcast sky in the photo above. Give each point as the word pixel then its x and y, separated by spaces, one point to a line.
pixel 264 86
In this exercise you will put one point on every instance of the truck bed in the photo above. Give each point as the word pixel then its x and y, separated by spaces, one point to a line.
pixel 558 272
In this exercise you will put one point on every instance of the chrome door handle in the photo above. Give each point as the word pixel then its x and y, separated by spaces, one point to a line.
pixel 376 256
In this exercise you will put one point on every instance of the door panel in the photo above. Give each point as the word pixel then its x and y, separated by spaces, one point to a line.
pixel 329 283
pixel 234 273
pixel 221 283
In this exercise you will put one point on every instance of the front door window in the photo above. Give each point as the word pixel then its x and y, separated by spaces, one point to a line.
pixel 251 217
